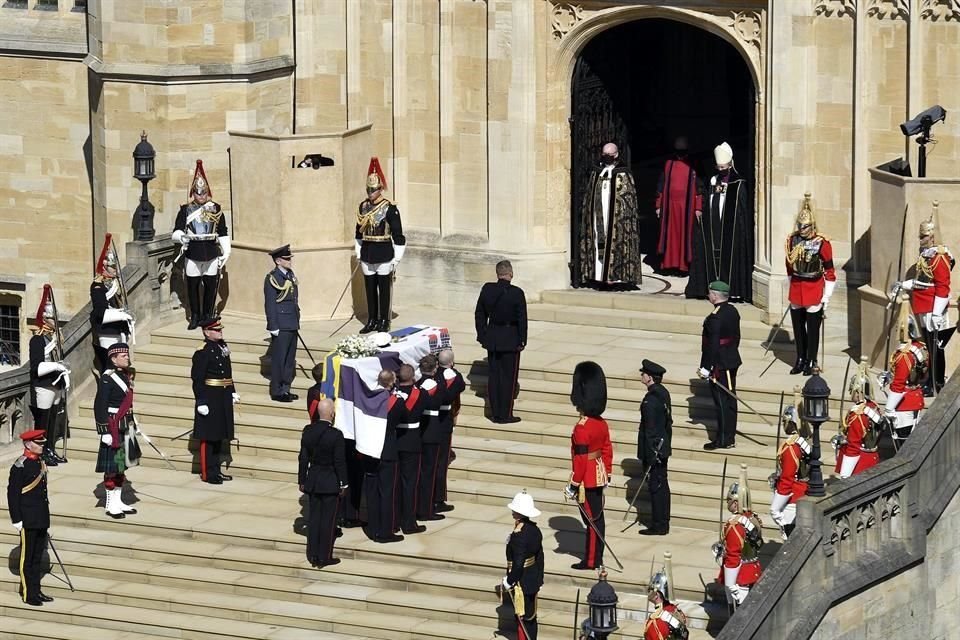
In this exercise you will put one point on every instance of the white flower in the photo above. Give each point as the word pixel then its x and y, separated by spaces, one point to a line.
pixel 356 346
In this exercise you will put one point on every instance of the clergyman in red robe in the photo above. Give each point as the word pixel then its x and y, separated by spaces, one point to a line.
pixel 678 203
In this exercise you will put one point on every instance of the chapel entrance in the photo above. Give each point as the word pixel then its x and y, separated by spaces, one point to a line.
pixel 643 83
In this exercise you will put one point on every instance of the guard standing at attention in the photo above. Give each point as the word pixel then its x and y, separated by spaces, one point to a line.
pixel 719 361
pixel 501 321
pixel 281 306
pixel 30 513
pixel 215 395
pixel 653 444
pixel 380 246
pixel 525 565
pixel 322 476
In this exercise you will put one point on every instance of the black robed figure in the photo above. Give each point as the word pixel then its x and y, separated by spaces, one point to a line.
pixel 723 236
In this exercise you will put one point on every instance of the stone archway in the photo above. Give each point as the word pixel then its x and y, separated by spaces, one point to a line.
pixel 575 25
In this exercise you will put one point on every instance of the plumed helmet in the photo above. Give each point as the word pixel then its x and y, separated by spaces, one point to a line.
pixel 739 491
pixel 659 583
pixel 45 309
pixel 806 217
pixel 376 181
pixel 929 226
pixel 723 153
pixel 860 385
pixel 589 392
pixel 200 186
pixel 108 256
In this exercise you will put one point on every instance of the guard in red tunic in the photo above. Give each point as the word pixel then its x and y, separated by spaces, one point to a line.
pixel 809 258
pixel 679 203
pixel 667 622
pixel 592 457
pixel 790 481
pixel 930 299
pixel 909 368
pixel 742 538
pixel 860 431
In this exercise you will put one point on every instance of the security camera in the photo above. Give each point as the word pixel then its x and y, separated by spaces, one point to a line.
pixel 924 120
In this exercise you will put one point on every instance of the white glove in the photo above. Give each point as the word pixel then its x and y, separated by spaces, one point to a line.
pixel 824 302
pixel 19 525
pixel 937 322
pixel 181 237
pixel 506 585
pixel 398 251
pixel 890 413
pixel 46 368
pixel 106 439
pixel 221 260
pixel 203 410
pixel 274 333
pixel 224 242
pixel 907 285
pixel 65 378
pixel 568 493
pixel 703 373
pixel 356 250
pixel 657 211
pixel 116 315
pixel 236 398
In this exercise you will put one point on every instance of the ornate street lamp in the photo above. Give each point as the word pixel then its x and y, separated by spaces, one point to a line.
pixel 816 411
pixel 143 156
pixel 603 609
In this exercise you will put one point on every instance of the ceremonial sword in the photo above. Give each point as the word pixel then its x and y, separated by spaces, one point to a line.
pixel 59 561
pixel 136 424
pixel 596 531
pixel 741 401
pixel 640 486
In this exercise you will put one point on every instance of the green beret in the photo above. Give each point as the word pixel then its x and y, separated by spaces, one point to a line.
pixel 719 286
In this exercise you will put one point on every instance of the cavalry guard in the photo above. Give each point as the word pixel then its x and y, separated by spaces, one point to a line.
pixel 667 622
pixel 741 538
pixel 860 431
pixel 49 378
pixel 790 481
pixel 110 319
pixel 908 372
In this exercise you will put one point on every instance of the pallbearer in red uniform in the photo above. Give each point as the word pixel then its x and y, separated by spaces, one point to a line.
pixel 667 622
pixel 909 368
pixel 930 298
pixel 742 538
pixel 679 203
pixel 790 481
pixel 860 430
pixel 592 456
pixel 809 258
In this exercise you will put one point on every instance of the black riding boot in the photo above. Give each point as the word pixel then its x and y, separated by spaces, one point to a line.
pixel 799 319
pixel 384 283
pixel 814 320
pixel 193 298
pixel 210 297
pixel 373 320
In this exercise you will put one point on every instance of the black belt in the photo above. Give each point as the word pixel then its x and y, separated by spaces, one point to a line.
pixel 504 324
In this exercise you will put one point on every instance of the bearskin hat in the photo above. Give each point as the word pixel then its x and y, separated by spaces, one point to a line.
pixel 589 392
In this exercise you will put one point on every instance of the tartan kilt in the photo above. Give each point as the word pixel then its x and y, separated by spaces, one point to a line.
pixel 110 460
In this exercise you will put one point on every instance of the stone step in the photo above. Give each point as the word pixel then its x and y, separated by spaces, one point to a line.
pixel 636 301
pixel 14 627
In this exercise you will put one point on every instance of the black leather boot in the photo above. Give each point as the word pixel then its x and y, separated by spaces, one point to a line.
pixel 373 320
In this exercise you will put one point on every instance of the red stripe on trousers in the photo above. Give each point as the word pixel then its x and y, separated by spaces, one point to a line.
pixel 591 542
pixel 203 460
pixel 520 634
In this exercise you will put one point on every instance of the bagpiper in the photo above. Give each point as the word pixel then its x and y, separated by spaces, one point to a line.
pixel 791 480
pixel 214 396
pixel 29 506
pixel 380 246
pixel 667 622
pixel 49 378
pixel 113 412
pixel 742 538
pixel 202 231
pixel 859 435
pixel 930 299
pixel 809 258
pixel 591 454
pixel 525 565
pixel 909 368
pixel 110 319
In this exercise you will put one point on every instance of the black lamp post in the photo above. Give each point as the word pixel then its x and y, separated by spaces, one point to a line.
pixel 603 609
pixel 143 156
pixel 816 411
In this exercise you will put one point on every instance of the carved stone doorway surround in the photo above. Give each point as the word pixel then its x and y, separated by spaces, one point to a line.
pixel 574 24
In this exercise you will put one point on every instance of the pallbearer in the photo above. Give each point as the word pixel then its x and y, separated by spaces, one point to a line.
pixel 214 396
pixel 322 476
pixel 452 385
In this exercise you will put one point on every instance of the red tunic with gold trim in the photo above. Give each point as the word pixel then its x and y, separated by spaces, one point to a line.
pixel 790 456
pixel 932 279
pixel 663 622
pixel 591 453
pixel 737 551
pixel 809 266
pixel 862 418
pixel 908 366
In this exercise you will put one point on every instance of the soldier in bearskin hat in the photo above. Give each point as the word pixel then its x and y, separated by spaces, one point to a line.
pixel 380 246
pixel 202 231
pixel 214 395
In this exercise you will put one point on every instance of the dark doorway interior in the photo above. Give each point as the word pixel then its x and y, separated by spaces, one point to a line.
pixel 642 84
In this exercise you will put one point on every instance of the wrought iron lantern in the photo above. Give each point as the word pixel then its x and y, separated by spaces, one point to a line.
pixel 602 600
pixel 143 170
pixel 816 411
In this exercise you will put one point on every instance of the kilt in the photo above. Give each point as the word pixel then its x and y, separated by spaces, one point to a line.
pixel 110 460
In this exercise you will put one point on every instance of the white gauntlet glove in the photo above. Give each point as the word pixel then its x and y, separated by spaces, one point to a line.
pixel 106 439
pixel 236 398
pixel 203 410
pixel 19 525
pixel 356 250
pixel 274 333
pixel 703 373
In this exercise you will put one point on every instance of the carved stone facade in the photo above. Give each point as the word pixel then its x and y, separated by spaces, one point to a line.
pixel 946 10
pixel 889 9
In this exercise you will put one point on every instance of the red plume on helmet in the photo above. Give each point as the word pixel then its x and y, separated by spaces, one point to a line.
pixel 375 177
pixel 200 184
pixel 45 299
pixel 107 257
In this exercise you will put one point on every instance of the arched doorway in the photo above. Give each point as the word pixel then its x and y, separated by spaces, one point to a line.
pixel 643 83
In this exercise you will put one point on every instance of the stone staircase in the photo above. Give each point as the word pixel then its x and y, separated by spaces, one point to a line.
pixel 228 561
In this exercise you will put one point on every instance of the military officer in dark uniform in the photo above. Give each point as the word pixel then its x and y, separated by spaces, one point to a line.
pixel 719 361
pixel 280 304
pixel 30 514
pixel 409 448
pixel 501 321
pixel 322 475
pixel 380 474
pixel 380 246
pixel 452 385
pixel 653 444
pixel 202 231
pixel 214 395
pixel 113 412
pixel 525 565
pixel 431 438
pixel 110 320
pixel 314 394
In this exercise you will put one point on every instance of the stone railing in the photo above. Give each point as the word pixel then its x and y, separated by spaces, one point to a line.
pixel 867 530
pixel 147 278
